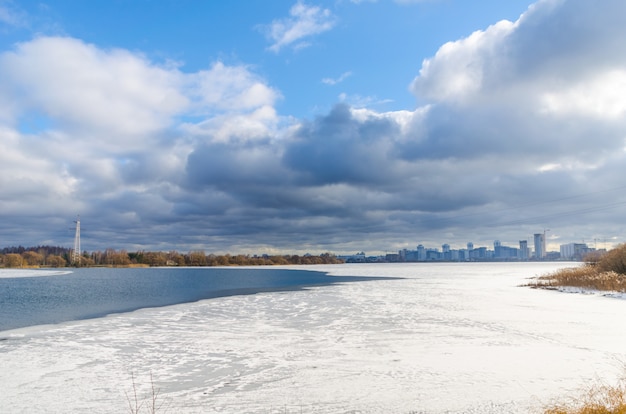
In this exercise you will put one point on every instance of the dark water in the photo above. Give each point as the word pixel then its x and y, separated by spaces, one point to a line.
pixel 95 292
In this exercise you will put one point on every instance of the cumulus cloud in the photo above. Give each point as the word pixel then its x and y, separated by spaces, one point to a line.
pixel 340 149
pixel 514 118
pixel 503 97
pixel 303 22
pixel 519 127
pixel 229 89
pixel 546 90
pixel 107 132
pixel 85 87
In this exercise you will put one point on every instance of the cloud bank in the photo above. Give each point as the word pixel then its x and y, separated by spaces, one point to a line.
pixel 518 128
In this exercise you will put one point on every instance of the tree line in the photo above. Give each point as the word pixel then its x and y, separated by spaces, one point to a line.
pixel 54 256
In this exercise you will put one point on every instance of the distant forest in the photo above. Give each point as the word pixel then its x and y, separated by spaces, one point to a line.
pixel 55 256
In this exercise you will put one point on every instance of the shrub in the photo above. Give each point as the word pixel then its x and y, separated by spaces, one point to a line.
pixel 13 260
pixel 614 260
pixel 149 402
pixel 598 399
pixel 607 273
pixel 55 261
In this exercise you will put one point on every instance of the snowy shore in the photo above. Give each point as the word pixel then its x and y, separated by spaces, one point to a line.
pixel 13 273
pixel 447 338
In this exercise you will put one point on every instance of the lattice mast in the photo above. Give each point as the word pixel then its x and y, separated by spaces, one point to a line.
pixel 76 252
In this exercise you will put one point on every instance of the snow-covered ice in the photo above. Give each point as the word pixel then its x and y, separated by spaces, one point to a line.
pixel 448 338
pixel 13 273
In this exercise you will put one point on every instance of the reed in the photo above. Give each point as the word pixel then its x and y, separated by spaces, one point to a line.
pixel 597 399
pixel 607 273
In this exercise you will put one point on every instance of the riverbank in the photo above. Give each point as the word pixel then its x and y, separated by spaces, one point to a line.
pixel 605 274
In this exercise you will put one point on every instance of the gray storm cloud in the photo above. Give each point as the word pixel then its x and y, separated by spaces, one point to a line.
pixel 519 126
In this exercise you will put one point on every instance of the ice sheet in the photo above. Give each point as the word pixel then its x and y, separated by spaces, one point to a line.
pixel 449 338
pixel 13 273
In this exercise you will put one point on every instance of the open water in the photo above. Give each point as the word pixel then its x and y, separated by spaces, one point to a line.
pixel 95 292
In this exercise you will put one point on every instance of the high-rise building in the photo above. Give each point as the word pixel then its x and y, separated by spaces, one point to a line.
pixel 446 254
pixel 540 245
pixel 470 251
pixel 421 253
pixel 497 248
pixel 523 250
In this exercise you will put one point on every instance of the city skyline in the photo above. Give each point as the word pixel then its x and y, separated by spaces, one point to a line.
pixel 471 252
pixel 311 126
pixel 551 243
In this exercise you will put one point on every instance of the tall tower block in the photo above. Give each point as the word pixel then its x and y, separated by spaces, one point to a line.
pixel 540 246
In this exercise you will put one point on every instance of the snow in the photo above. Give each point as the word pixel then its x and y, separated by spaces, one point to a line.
pixel 447 338
pixel 13 273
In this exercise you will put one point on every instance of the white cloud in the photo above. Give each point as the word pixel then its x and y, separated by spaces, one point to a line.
pixel 88 88
pixel 531 85
pixel 111 123
pixel 514 115
pixel 118 94
pixel 359 101
pixel 260 124
pixel 458 69
pixel 601 95
pixel 335 81
pixel 304 21
pixel 26 179
pixel 228 89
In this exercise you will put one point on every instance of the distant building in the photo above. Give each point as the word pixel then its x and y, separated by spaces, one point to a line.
pixel 463 255
pixel 455 255
pixel 497 249
pixel 421 253
pixel 402 255
pixel 540 246
pixel 391 257
pixel 446 253
pixel 433 255
pixel 481 253
pixel 506 253
pixel 574 251
pixel 524 254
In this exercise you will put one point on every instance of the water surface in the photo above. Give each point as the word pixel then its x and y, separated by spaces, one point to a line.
pixel 95 292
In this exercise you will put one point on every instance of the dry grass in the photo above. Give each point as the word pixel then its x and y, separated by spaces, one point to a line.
pixel 586 277
pixel 607 273
pixel 599 399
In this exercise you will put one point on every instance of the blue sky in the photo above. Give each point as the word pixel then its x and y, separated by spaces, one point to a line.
pixel 249 126
pixel 372 49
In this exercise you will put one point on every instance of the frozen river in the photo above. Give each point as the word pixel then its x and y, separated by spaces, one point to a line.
pixel 448 338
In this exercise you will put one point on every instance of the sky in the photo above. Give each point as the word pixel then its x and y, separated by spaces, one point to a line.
pixel 311 126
